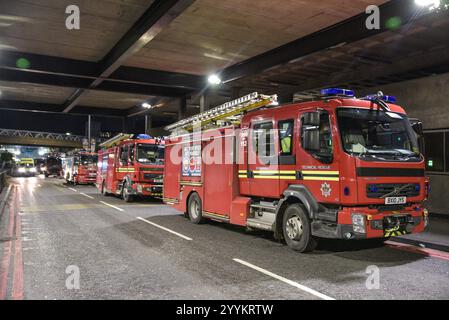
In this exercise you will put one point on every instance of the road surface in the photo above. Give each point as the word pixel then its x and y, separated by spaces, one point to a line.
pixel 69 242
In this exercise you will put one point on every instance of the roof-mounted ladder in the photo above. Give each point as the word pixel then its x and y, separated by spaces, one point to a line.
pixel 229 112
pixel 115 140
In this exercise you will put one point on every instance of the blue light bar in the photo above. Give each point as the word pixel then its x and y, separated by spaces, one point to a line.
pixel 143 136
pixel 389 99
pixel 337 92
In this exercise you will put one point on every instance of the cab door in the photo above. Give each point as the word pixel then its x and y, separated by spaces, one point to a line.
pixel 288 144
pixel 263 166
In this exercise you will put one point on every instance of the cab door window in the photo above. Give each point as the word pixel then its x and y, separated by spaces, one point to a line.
pixel 131 154
pixel 316 135
pixel 124 156
pixel 263 141
pixel 285 128
pixel 286 142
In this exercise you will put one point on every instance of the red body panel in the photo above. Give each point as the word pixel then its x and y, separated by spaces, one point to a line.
pixel 226 190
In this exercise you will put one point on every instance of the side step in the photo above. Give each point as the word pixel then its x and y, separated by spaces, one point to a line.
pixel 259 224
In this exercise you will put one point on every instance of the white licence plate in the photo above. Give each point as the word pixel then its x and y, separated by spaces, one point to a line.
pixel 158 180
pixel 395 200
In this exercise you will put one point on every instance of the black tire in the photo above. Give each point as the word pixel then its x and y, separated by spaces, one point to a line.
pixel 195 209
pixel 297 230
pixel 125 193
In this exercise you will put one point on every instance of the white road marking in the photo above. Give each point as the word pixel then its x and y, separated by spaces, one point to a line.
pixel 72 189
pixel 290 282
pixel 110 205
pixel 86 195
pixel 164 228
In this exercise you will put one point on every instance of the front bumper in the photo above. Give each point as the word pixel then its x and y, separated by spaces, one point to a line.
pixel 376 224
pixel 146 190
pixel 85 179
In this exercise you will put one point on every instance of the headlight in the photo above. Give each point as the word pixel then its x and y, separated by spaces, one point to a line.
pixel 32 169
pixel 22 170
pixel 44 168
pixel 358 223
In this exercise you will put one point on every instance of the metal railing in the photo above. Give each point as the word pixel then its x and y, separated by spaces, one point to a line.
pixel 40 135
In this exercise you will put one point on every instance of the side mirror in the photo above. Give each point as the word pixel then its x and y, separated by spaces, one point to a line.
pixel 312 119
pixel 312 140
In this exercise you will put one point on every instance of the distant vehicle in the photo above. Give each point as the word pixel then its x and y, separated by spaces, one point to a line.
pixel 25 168
pixel 80 167
pixel 131 166
pixel 40 165
pixel 53 167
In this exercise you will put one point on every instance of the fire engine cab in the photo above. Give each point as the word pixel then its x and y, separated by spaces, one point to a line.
pixel 80 167
pixel 130 166
pixel 335 167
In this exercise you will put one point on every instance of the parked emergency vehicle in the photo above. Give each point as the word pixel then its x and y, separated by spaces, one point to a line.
pixel 52 166
pixel 80 167
pixel 337 167
pixel 131 166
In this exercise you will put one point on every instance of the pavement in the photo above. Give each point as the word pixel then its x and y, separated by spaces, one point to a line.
pixel 435 237
pixel 69 242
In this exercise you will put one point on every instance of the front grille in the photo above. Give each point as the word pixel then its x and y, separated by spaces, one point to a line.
pixel 152 176
pixel 380 190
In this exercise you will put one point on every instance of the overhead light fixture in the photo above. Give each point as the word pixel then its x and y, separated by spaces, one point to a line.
pixel 147 105
pixel 428 3
pixel 214 79
pixel 68 134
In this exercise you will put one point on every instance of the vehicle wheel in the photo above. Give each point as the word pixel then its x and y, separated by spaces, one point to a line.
pixel 195 209
pixel 125 193
pixel 296 229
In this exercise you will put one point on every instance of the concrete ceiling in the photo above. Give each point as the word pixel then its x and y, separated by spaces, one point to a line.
pixel 38 26
pixel 113 100
pixel 131 51
pixel 211 34
pixel 33 92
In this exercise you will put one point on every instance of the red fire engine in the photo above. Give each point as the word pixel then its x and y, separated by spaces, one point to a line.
pixel 131 166
pixel 80 167
pixel 336 167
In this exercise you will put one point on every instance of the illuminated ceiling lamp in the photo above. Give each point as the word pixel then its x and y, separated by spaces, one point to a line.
pixel 214 79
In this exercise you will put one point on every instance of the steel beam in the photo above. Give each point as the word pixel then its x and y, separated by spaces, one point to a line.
pixel 345 32
pixel 158 16
pixel 14 105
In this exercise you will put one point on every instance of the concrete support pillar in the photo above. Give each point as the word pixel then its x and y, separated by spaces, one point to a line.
pixel 182 108
pixel 203 103
pixel 148 123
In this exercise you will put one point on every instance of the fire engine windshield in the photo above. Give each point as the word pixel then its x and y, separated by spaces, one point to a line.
pixel 88 159
pixel 150 154
pixel 377 134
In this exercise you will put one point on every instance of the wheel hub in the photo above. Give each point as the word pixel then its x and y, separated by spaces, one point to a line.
pixel 194 209
pixel 294 228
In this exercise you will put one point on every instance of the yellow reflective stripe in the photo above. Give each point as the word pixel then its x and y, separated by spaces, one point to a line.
pixel 322 178
pixel 289 172
pixel 287 177
pixel 267 171
pixel 243 176
pixel 321 172
pixel 266 177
